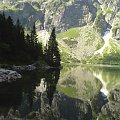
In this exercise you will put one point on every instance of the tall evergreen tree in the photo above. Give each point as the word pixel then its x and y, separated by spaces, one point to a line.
pixel 34 36
pixel 20 38
pixel 52 52
pixel 28 40
pixel 15 47
pixel 36 51
pixel 51 80
pixel 10 22
pixel 18 30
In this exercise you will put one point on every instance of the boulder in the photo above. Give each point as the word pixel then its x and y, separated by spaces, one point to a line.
pixel 8 75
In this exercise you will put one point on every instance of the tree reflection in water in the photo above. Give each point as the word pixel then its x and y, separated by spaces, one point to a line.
pixel 21 96
pixel 51 80
pixel 34 97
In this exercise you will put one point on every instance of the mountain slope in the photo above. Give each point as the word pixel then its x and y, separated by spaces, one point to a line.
pixel 80 25
pixel 63 14
pixel 110 55
pixel 82 41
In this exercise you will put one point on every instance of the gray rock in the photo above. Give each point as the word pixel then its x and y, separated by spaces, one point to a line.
pixel 111 111
pixel 115 95
pixel 8 75
pixel 62 14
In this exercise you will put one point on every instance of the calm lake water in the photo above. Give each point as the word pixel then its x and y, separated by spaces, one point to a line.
pixel 73 93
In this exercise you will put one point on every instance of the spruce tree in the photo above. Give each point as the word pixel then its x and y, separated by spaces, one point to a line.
pixel 52 54
pixel 36 51
pixel 20 38
pixel 28 40
pixel 15 47
pixel 34 36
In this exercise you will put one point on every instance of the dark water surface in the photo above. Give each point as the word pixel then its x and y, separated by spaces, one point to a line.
pixel 73 93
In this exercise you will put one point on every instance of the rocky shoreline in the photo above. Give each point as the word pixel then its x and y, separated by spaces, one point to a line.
pixel 8 75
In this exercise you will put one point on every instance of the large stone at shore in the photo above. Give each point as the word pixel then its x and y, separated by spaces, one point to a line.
pixel 8 75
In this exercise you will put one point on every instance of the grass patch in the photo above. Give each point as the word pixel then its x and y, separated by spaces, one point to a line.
pixel 111 54
pixel 71 33
pixel 69 91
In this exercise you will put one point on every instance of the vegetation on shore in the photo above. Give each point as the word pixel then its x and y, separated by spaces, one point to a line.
pixel 19 49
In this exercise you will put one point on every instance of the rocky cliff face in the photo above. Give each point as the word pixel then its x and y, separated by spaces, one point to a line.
pixel 24 11
pixel 111 10
pixel 63 14
pixel 69 14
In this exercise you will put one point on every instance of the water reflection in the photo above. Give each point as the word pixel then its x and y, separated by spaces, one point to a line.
pixel 104 84
pixel 72 93
pixel 10 96
pixel 24 96
pixel 98 102
pixel 51 81
pixel 108 76
pixel 91 83
pixel 79 82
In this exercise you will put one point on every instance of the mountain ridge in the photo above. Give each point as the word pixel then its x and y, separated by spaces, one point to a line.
pixel 67 15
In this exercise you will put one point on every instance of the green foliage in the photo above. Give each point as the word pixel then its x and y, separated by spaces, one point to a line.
pixel 36 8
pixel 111 54
pixel 100 44
pixel 34 35
pixel 100 23
pixel 67 3
pixel 86 40
pixel 52 55
pixel 109 11
pixel 15 47
pixel 7 7
pixel 96 5
pixel 69 91
pixel 51 80
pixel 70 42
pixel 66 56
pixel 71 33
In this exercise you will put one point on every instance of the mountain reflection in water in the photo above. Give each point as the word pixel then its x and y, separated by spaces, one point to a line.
pixel 70 94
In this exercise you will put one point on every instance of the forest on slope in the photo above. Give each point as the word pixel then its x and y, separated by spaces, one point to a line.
pixel 17 48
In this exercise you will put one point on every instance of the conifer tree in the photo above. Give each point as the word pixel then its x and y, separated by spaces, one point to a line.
pixel 15 47
pixel 20 37
pixel 18 31
pixel 36 51
pixel 9 34
pixel 28 40
pixel 51 80
pixel 34 36
pixel 52 53
pixel 10 22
